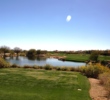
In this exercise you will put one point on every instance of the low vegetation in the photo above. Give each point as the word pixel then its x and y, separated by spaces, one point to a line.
pixel 105 80
pixel 4 64
pixel 93 70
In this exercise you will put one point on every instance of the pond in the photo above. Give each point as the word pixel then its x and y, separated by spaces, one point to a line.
pixel 42 61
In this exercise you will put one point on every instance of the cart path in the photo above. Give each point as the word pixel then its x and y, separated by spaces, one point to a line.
pixel 97 91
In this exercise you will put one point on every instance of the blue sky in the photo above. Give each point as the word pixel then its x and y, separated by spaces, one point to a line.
pixel 42 24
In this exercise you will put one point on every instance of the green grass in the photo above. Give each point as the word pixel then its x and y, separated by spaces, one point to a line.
pixel 77 57
pixel 31 84
pixel 80 57
pixel 104 57
pixel 84 57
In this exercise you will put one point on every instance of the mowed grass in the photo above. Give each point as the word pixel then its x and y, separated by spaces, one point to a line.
pixel 101 57
pixel 74 57
pixel 77 57
pixel 80 57
pixel 31 84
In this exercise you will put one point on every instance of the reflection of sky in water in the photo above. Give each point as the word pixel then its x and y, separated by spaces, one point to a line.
pixel 41 62
pixel 57 62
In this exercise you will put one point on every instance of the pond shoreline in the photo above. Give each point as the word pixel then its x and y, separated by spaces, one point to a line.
pixel 43 61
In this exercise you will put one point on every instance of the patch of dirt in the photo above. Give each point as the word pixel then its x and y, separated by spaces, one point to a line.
pixel 97 91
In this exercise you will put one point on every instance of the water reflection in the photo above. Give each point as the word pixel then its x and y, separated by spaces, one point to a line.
pixel 36 58
pixel 17 58
pixel 41 61
pixel 31 57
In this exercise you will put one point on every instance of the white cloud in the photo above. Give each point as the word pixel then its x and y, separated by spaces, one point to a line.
pixel 68 18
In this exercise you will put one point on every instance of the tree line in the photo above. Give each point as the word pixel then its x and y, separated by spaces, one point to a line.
pixel 33 52
pixel 18 51
pixel 100 52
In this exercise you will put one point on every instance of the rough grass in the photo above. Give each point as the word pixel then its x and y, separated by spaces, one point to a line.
pixel 105 80
pixel 31 84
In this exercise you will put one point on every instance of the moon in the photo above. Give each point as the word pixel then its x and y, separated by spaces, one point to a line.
pixel 68 18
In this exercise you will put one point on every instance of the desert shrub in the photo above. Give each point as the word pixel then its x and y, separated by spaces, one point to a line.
pixel 40 67
pixel 65 68
pixel 105 80
pixel 36 67
pixel 4 64
pixel 78 69
pixel 27 66
pixel 48 67
pixel 58 68
pixel 72 69
pixel 14 66
pixel 93 70
pixel 54 67
pixel 103 62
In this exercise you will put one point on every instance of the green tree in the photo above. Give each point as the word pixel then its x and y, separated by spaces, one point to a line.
pixel 4 49
pixel 12 53
pixel 94 56
pixel 31 53
pixel 44 51
pixel 17 50
pixel 38 52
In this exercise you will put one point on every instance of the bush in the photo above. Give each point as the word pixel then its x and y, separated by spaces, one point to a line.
pixel 27 66
pixel 65 69
pixel 93 70
pixel 58 68
pixel 36 67
pixel 105 80
pixel 4 64
pixel 94 56
pixel 31 53
pixel 72 69
pixel 48 67
pixel 40 67
pixel 14 66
